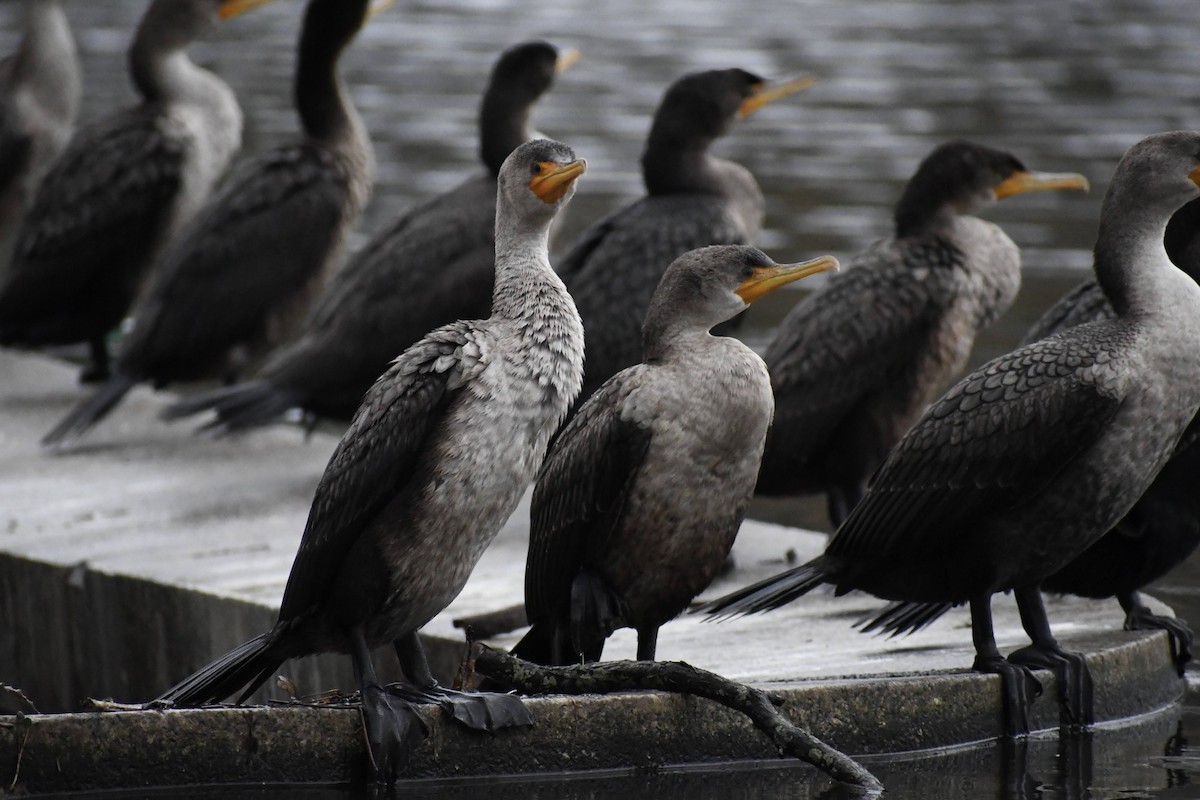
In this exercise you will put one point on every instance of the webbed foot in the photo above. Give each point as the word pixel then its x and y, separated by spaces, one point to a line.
pixel 1180 635
pixel 1019 688
pixel 393 729
pixel 1075 691
pixel 481 711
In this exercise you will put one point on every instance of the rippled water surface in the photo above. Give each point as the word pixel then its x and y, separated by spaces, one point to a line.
pixel 1065 85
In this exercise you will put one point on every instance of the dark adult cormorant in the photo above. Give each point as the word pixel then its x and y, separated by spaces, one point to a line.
pixel 644 490
pixel 854 364
pixel 243 271
pixel 693 199
pixel 433 266
pixel 436 459
pixel 120 189
pixel 1030 459
pixel 39 98
pixel 1160 531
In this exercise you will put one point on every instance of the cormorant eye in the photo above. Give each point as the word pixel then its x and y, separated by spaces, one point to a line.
pixel 535 169
pixel 748 273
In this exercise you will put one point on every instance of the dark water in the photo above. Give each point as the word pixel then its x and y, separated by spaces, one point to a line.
pixel 1066 85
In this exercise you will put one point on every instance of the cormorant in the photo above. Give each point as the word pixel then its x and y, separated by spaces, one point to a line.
pixel 1029 460
pixel 433 266
pixel 643 491
pixel 693 199
pixel 121 188
pixel 39 99
pixel 437 457
pixel 855 363
pixel 242 273
pixel 1163 527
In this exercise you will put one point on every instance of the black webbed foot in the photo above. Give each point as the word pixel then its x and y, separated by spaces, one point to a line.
pixel 393 729
pixel 1180 635
pixel 1075 692
pixel 1018 688
pixel 481 711
pixel 96 370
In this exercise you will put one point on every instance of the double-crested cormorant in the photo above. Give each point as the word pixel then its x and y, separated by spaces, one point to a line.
pixel 1030 459
pixel 1163 527
pixel 854 364
pixel 433 266
pixel 643 492
pixel 693 199
pixel 242 273
pixel 436 459
pixel 120 189
pixel 39 98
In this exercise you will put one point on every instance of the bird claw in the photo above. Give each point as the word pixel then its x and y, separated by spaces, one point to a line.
pixel 1075 690
pixel 1019 688
pixel 481 711
pixel 1178 633
pixel 393 729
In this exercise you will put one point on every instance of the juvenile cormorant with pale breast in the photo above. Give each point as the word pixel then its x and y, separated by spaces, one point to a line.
pixel 121 188
pixel 1029 460
pixel 242 273
pixel 39 98
pixel 693 199
pixel 643 491
pixel 1163 527
pixel 855 363
pixel 433 266
pixel 437 457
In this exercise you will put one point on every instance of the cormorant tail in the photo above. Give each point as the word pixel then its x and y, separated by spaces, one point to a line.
pixel 245 405
pixel 773 592
pixel 902 618
pixel 89 412
pixel 247 665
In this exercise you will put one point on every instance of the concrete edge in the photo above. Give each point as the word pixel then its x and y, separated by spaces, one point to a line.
pixel 88 751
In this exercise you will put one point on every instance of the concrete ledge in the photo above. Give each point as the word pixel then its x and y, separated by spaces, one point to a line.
pixel 70 752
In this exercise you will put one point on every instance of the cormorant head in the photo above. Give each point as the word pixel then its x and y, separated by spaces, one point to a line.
pixel 961 177
pixel 1161 170
pixel 537 179
pixel 700 107
pixel 707 286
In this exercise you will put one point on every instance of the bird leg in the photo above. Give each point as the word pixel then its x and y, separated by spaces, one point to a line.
pixel 1075 691
pixel 1018 686
pixel 1140 618
pixel 481 711
pixel 841 500
pixel 647 643
pixel 96 370
pixel 392 726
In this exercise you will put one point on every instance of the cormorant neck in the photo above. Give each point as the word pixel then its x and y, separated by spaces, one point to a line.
pixel 158 61
pixel 917 214
pixel 326 112
pixel 664 336
pixel 523 271
pixel 1131 263
pixel 47 57
pixel 672 168
pixel 503 127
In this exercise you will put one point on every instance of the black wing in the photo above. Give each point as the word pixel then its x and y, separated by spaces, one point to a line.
pixel 377 456
pixel 996 439
pixel 260 242
pixel 838 346
pixel 580 496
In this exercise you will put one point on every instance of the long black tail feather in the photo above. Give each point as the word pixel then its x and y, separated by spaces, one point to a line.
pixel 902 618
pixel 85 415
pixel 245 405
pixel 244 669
pixel 773 592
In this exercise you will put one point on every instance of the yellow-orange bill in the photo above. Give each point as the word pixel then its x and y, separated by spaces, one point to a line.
pixel 553 180
pixel 1195 176
pixel 231 8
pixel 566 58
pixel 768 93
pixel 1020 182
pixel 767 279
